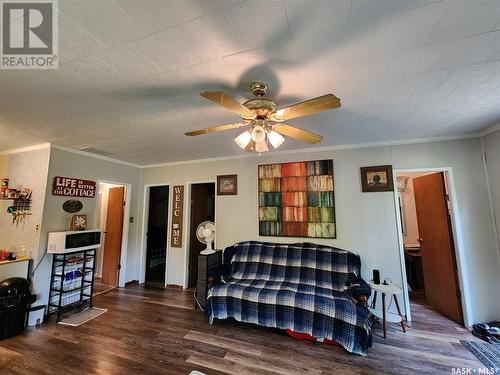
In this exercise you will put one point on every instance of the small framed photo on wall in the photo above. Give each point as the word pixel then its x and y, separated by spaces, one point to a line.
pixel 227 184
pixel 78 222
pixel 377 178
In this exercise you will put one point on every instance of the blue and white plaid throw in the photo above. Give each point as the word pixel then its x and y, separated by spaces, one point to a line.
pixel 301 287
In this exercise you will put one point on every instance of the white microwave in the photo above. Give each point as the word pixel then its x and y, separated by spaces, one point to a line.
pixel 70 242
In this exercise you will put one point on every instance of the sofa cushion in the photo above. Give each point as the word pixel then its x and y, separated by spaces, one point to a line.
pixel 301 263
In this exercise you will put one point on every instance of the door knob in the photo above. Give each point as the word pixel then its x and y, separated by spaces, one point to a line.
pixel 420 240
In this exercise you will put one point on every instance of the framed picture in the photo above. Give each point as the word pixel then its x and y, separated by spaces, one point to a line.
pixel 378 178
pixel 297 199
pixel 78 222
pixel 227 184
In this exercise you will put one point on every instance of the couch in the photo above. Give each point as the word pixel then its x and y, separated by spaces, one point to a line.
pixel 303 287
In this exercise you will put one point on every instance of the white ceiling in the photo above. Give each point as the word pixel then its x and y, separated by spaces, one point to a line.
pixel 130 73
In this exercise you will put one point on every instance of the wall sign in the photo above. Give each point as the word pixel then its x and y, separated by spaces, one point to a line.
pixel 72 206
pixel 73 187
pixel 177 216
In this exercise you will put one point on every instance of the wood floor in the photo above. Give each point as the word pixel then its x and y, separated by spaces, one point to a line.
pixel 156 331
pixel 101 287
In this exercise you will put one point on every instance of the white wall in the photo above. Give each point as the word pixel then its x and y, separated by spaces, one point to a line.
pixel 491 145
pixel 24 169
pixel 69 164
pixel 366 222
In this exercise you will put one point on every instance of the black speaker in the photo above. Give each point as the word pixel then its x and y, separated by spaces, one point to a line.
pixel 376 276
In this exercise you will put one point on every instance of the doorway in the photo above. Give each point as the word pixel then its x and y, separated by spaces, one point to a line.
pixel 157 234
pixel 202 208
pixel 428 242
pixel 110 221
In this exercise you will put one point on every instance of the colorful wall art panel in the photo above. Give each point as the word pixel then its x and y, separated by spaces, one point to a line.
pixel 297 199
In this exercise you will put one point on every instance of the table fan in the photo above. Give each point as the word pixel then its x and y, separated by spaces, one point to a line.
pixel 206 235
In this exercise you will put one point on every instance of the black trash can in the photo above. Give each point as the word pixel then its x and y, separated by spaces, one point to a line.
pixel 15 296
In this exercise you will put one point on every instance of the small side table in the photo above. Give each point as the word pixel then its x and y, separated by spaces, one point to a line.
pixel 386 316
pixel 208 273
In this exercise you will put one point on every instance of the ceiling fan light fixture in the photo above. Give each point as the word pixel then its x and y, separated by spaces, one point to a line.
pixel 262 115
pixel 275 138
pixel 258 134
pixel 243 139
pixel 261 146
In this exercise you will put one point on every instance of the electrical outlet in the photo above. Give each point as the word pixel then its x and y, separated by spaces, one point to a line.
pixel 37 227
pixel 131 220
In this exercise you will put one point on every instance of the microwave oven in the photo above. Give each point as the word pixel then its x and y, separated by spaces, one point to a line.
pixel 69 242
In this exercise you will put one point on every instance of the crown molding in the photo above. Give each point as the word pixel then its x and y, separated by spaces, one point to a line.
pixel 317 149
pixel 490 130
pixel 91 155
pixel 256 155
pixel 25 149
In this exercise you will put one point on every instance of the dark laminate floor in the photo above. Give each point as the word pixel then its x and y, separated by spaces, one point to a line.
pixel 154 331
pixel 101 287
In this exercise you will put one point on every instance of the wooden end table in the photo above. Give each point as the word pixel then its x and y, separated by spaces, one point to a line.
pixel 386 316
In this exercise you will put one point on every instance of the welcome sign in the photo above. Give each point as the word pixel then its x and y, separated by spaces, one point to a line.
pixel 73 187
pixel 177 215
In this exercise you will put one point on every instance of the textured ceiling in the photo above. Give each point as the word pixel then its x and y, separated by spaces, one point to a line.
pixel 130 73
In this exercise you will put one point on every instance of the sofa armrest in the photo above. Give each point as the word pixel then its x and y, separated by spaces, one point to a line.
pixel 361 291
pixel 225 267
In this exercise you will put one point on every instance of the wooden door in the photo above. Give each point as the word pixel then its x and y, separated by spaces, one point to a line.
pixel 113 236
pixel 437 249
pixel 202 209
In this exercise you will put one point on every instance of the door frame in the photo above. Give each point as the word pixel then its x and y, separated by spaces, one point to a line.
pixel 122 274
pixel 187 223
pixel 457 240
pixel 144 239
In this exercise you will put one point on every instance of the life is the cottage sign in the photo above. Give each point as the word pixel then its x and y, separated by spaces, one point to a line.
pixel 73 187
pixel 177 215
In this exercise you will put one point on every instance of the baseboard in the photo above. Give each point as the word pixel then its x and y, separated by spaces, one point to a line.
pixel 132 282
pixel 174 286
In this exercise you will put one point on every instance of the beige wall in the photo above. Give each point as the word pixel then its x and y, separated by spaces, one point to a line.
pixel 366 222
pixel 24 169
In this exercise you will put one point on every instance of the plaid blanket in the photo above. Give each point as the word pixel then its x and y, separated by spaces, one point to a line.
pixel 303 287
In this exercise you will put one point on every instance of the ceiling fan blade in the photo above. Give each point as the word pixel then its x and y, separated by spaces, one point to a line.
pixel 319 104
pixel 226 101
pixel 296 133
pixel 216 129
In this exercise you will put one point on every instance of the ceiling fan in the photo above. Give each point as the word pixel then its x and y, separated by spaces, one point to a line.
pixel 265 119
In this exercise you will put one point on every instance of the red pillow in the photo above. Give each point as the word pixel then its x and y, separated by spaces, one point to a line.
pixel 306 336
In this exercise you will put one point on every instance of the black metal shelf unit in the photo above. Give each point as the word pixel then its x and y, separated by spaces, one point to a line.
pixel 71 282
